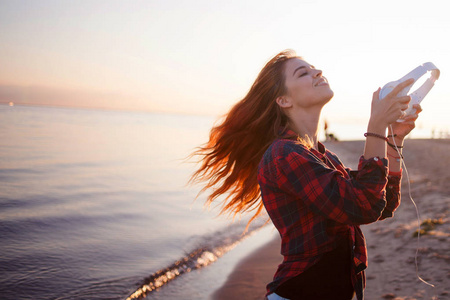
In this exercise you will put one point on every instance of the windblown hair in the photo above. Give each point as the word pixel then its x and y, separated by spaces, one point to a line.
pixel 229 160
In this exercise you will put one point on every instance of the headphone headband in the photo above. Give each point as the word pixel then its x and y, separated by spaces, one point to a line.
pixel 418 95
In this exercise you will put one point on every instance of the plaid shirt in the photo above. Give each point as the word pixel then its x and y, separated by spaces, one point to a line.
pixel 313 200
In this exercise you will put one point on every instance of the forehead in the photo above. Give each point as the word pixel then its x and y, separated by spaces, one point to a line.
pixel 295 63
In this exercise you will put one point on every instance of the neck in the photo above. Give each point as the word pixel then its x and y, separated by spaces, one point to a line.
pixel 305 123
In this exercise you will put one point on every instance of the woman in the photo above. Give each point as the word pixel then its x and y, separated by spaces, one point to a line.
pixel 267 148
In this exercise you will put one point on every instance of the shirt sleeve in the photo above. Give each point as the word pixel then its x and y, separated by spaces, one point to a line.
pixel 392 194
pixel 327 191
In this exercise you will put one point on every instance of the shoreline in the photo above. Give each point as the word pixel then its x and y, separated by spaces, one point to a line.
pixel 249 278
pixel 391 243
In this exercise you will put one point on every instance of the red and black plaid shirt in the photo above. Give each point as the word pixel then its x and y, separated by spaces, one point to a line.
pixel 313 201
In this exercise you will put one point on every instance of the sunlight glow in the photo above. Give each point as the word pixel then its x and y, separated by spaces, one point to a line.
pixel 201 57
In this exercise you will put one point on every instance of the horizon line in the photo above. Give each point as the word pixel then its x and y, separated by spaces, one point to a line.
pixel 99 108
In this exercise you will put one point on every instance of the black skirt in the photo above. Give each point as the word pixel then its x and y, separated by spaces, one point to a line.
pixel 330 278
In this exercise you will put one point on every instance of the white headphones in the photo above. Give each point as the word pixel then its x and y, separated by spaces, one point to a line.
pixel 418 95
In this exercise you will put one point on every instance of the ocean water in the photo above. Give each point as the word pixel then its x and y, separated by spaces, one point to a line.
pixel 94 205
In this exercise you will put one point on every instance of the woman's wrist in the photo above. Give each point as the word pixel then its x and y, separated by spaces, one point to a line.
pixel 391 150
pixel 375 145
pixel 394 140
pixel 376 127
pixel 394 155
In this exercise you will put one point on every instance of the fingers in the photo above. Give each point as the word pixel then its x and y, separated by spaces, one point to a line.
pixel 411 124
pixel 394 106
pixel 411 118
pixel 418 108
pixel 376 95
pixel 401 104
pixel 402 114
pixel 401 86
pixel 404 102
pixel 404 99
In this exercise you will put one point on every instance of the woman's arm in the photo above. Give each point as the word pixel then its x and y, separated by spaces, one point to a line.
pixel 384 112
pixel 397 133
pixel 291 169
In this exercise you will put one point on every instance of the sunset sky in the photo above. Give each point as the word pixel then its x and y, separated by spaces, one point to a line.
pixel 202 56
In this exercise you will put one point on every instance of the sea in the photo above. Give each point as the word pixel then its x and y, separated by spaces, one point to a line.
pixel 95 204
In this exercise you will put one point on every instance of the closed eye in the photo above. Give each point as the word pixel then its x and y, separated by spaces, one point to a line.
pixel 303 68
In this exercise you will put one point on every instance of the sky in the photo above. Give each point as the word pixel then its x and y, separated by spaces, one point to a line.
pixel 201 57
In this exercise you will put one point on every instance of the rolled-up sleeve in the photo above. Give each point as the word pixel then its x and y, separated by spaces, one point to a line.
pixel 392 194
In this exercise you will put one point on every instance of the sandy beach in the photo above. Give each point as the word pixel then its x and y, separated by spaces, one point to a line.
pixel 392 244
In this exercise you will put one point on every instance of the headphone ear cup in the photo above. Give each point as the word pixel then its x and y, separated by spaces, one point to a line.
pixel 386 89
pixel 390 86
pixel 417 73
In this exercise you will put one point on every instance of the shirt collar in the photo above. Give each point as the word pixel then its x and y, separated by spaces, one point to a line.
pixel 289 134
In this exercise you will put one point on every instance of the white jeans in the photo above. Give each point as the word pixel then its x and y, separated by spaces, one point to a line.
pixel 274 296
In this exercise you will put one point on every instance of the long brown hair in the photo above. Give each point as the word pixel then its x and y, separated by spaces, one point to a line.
pixel 229 160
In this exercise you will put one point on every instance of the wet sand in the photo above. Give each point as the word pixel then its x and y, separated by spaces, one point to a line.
pixel 392 243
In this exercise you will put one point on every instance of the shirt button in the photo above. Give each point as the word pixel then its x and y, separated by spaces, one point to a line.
pixel 375 158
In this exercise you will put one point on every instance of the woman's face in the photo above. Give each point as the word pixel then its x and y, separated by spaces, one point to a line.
pixel 306 87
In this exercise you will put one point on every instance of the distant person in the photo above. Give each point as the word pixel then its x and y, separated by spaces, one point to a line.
pixel 333 138
pixel 329 136
pixel 265 153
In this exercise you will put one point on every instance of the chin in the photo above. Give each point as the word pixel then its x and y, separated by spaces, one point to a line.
pixel 327 97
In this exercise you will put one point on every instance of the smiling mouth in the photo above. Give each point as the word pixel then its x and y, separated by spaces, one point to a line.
pixel 321 82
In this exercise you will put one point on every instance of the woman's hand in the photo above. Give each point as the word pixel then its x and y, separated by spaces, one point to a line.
pixel 402 129
pixel 389 109
pixel 384 112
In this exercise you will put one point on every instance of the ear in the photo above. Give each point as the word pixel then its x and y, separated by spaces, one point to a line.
pixel 284 102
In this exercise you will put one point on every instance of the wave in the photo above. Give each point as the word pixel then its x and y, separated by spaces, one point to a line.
pixel 214 246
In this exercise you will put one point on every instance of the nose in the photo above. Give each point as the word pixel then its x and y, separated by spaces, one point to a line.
pixel 317 73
